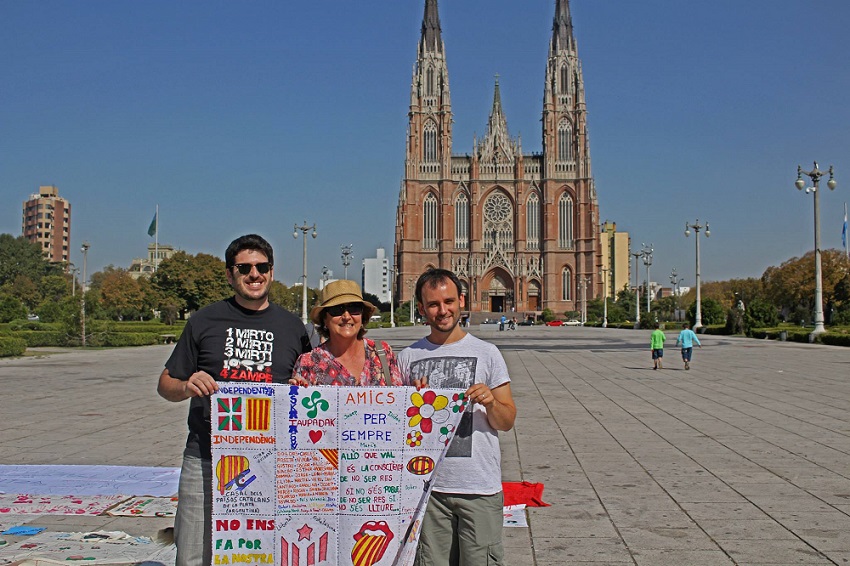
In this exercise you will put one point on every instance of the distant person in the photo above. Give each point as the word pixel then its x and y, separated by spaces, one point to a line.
pixel 204 355
pixel 687 339
pixel 463 520
pixel 345 357
pixel 502 322
pixel 656 344
pixel 512 324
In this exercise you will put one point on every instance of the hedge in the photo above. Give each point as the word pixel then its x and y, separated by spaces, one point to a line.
pixel 835 339
pixel 122 339
pixel 36 338
pixel 10 346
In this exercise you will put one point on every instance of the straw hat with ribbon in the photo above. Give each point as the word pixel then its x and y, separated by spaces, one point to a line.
pixel 341 292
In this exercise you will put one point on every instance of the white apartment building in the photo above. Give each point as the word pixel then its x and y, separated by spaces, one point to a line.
pixel 376 276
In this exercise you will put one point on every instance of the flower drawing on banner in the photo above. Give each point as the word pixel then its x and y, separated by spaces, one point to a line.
pixel 458 403
pixel 414 438
pixel 427 409
pixel 314 404
pixel 446 434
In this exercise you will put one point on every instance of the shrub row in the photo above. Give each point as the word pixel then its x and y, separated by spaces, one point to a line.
pixel 36 338
pixel 157 327
pixel 11 346
pixel 835 339
pixel 121 339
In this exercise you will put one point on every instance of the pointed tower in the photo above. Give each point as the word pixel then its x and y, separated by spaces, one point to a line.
pixel 519 230
pixel 420 237
pixel 571 250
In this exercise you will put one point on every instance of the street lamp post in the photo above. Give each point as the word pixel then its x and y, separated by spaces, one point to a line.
pixel 604 273
pixel 410 288
pixel 73 271
pixel 675 280
pixel 392 299
pixel 696 226
pixel 646 251
pixel 304 229
pixel 815 175
pixel 347 252
pixel 584 282
pixel 637 290
pixel 85 249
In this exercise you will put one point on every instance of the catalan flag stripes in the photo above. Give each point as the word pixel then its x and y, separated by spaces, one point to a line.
pixel 259 413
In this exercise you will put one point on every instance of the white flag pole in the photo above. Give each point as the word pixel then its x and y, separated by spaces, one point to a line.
pixel 156 242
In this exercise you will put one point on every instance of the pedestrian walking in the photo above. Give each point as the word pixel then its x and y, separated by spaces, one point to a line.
pixel 656 345
pixel 687 338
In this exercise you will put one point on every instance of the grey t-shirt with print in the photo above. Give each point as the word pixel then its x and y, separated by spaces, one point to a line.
pixel 473 462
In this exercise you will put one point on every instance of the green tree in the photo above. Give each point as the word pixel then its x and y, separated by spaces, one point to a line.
pixel 626 300
pixel 19 256
pixel 11 308
pixel 760 314
pixel 54 288
pixel 711 310
pixel 664 308
pixel 25 290
pixel 120 295
pixel 188 282
pixel 791 286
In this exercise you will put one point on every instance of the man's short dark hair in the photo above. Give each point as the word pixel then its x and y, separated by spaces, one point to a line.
pixel 434 277
pixel 247 242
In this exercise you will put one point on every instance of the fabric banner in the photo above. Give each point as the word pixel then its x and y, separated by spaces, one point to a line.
pixel 145 507
pixel 307 476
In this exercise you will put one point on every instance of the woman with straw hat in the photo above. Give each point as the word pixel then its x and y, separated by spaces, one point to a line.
pixel 345 357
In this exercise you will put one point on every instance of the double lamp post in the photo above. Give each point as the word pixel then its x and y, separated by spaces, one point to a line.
pixel 815 175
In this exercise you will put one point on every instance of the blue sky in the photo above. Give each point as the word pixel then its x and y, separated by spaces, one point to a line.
pixel 241 117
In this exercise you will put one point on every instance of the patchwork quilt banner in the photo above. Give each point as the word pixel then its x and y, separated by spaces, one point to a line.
pixel 306 476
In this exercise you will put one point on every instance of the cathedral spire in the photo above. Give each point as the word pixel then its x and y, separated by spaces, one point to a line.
pixel 497 99
pixel 432 39
pixel 562 27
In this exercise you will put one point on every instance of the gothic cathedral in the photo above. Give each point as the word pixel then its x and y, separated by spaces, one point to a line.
pixel 519 230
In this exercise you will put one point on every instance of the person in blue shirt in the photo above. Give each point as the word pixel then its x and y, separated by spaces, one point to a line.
pixel 687 338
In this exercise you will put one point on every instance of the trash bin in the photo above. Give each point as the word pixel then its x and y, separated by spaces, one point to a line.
pixel 783 335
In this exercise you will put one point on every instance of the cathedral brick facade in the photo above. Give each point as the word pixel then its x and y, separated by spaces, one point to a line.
pixel 521 230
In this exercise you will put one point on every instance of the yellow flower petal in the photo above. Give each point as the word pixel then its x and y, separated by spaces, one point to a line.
pixel 417 399
pixel 441 402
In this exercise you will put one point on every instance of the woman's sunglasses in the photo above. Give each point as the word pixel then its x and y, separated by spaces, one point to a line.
pixel 245 268
pixel 352 308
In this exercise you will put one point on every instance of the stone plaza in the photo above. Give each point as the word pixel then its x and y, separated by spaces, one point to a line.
pixel 744 459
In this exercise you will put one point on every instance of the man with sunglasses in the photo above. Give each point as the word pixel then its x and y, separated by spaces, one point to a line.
pixel 244 338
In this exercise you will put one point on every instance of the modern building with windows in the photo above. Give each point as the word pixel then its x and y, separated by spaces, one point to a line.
pixel 521 230
pixel 376 276
pixel 47 222
pixel 615 259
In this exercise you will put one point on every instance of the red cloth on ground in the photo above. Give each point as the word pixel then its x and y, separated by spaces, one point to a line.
pixel 523 492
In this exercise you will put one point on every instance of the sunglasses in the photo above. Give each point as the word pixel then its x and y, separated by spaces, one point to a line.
pixel 352 308
pixel 245 268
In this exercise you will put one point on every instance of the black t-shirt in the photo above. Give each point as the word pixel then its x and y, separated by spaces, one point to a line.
pixel 234 344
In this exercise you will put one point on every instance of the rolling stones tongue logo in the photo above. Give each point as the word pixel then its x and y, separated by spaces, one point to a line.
pixel 371 543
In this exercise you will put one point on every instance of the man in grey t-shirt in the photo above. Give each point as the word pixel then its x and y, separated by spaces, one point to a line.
pixel 463 521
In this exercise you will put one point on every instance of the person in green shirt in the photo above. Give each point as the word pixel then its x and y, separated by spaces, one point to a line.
pixel 656 344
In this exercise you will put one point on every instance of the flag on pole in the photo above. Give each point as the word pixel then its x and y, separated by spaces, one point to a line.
pixel 152 227
pixel 844 230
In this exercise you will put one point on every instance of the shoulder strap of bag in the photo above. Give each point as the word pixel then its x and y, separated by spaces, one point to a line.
pixel 385 366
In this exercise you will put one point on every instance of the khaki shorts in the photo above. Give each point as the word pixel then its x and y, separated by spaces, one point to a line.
pixel 462 529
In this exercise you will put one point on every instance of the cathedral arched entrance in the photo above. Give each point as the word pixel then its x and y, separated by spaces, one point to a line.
pixel 499 293
pixel 534 295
